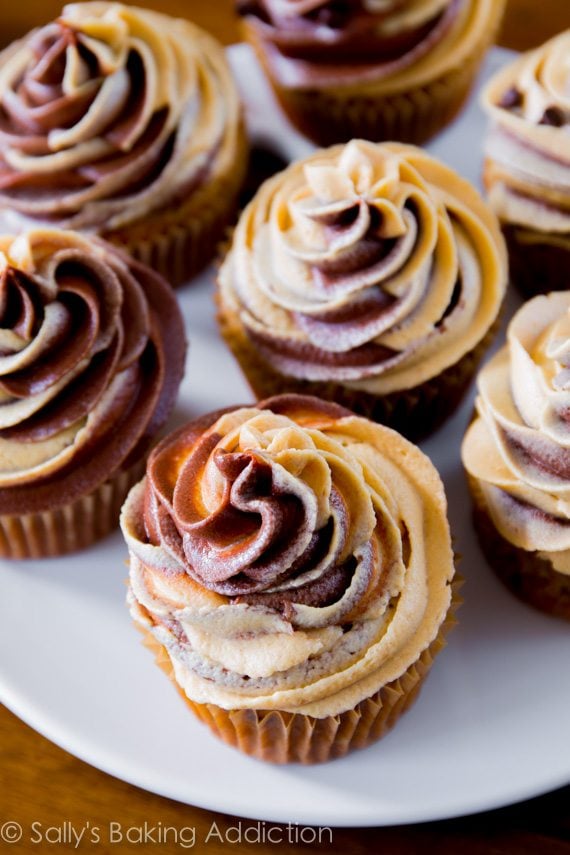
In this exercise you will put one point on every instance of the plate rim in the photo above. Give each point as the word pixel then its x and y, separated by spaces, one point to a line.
pixel 43 723
pixel 471 807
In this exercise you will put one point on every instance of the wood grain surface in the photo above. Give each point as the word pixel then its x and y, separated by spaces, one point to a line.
pixel 41 783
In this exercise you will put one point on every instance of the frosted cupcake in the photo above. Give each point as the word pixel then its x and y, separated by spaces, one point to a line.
pixel 292 566
pixel 517 456
pixel 379 69
pixel 125 123
pixel 91 355
pixel 527 165
pixel 371 275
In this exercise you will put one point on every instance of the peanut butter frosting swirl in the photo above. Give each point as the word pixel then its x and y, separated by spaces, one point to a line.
pixel 528 147
pixel 289 555
pixel 91 356
pixel 371 265
pixel 108 114
pixel 393 44
pixel 518 448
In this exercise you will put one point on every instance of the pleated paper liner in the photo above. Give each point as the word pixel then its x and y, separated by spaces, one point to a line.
pixel 71 527
pixel 538 263
pixel 339 114
pixel 415 412
pixel 179 242
pixel 284 737
pixel 528 576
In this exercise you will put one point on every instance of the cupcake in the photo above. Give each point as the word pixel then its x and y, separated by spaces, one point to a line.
pixel 370 275
pixel 517 456
pixel 378 69
pixel 291 565
pixel 527 164
pixel 91 356
pixel 124 123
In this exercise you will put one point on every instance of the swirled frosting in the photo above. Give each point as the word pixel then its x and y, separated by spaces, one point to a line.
pixel 527 170
pixel 91 355
pixel 371 265
pixel 392 44
pixel 518 448
pixel 110 113
pixel 289 555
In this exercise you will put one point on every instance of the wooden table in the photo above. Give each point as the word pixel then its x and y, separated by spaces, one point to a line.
pixel 40 782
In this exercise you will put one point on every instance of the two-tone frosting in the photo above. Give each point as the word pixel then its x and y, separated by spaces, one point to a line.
pixel 110 113
pixel 518 447
pixel 371 265
pixel 391 44
pixel 527 170
pixel 288 555
pixel 92 351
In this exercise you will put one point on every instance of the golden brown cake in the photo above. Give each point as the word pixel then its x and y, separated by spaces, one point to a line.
pixel 368 274
pixel 91 356
pixel 125 123
pixel 527 164
pixel 378 69
pixel 517 456
pixel 292 565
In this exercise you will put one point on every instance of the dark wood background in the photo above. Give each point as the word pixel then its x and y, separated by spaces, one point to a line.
pixel 40 782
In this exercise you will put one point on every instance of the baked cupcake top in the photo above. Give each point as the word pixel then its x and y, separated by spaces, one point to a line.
pixel 371 265
pixel 518 447
pixel 528 147
pixel 395 44
pixel 109 113
pixel 91 356
pixel 289 555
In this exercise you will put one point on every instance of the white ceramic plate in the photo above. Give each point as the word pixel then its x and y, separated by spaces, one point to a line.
pixel 491 724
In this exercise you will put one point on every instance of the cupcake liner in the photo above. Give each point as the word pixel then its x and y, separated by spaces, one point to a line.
pixel 415 412
pixel 71 527
pixel 179 242
pixel 284 737
pixel 528 576
pixel 334 115
pixel 538 263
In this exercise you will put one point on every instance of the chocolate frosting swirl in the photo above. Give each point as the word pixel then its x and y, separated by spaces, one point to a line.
pixel 371 265
pixel 91 356
pixel 391 45
pixel 109 113
pixel 518 448
pixel 329 30
pixel 271 544
pixel 527 170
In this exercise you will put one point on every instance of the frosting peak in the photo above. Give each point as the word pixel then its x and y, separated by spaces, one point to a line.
pixel 390 46
pixel 259 502
pixel 519 446
pixel 381 30
pixel 366 264
pixel 91 355
pixel 107 114
pixel 527 171
pixel 286 554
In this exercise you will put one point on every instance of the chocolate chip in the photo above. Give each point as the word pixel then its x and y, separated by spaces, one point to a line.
pixel 511 98
pixel 553 116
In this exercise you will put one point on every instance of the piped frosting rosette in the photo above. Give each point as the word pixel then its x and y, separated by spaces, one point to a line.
pixel 374 266
pixel 108 114
pixel 390 43
pixel 528 148
pixel 91 355
pixel 518 447
pixel 288 556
